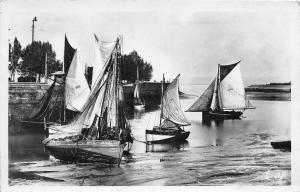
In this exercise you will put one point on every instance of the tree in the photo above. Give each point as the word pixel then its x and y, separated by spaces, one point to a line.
pixel 14 56
pixel 129 67
pixel 33 59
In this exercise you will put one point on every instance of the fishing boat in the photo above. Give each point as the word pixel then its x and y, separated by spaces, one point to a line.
pixel 137 101
pixel 225 97
pixel 100 132
pixel 174 120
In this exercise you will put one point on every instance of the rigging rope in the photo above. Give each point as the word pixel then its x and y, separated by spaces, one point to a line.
pixel 146 142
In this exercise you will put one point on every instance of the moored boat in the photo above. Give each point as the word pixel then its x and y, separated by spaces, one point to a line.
pixel 225 97
pixel 281 144
pixel 174 120
pixel 137 100
pixel 100 131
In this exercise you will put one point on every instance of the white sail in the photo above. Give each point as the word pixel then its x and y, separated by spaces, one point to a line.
pixel 136 93
pixel 97 63
pixel 171 109
pixel 76 88
pixel 102 53
pixel 232 91
pixel 214 100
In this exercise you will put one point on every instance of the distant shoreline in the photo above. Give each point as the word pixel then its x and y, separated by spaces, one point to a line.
pixel 271 91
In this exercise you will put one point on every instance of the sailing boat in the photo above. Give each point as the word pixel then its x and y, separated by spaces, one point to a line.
pixel 225 97
pixel 174 120
pixel 100 131
pixel 137 101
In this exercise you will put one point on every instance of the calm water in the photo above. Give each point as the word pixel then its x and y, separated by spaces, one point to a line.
pixel 216 153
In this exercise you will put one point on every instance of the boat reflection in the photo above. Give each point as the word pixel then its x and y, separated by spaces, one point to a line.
pixel 214 131
pixel 167 147
pixel 212 122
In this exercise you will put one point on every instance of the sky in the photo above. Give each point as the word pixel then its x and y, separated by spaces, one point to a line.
pixel 186 37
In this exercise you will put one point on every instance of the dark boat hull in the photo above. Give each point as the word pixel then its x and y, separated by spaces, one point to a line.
pixel 281 145
pixel 221 114
pixel 155 136
pixel 86 151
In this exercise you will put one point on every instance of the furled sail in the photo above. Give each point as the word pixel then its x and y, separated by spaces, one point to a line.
pixel 76 87
pixel 231 88
pixel 102 53
pixel 69 52
pixel 171 109
pixel 203 103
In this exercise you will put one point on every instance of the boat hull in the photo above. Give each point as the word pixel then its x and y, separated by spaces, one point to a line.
pixel 106 151
pixel 155 136
pixel 281 144
pixel 221 114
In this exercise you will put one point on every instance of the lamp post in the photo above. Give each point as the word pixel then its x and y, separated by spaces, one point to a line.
pixel 33 20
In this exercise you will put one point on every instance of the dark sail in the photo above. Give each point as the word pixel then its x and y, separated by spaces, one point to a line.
pixel 68 55
pixel 44 103
pixel 226 69
pixel 49 106
pixel 204 101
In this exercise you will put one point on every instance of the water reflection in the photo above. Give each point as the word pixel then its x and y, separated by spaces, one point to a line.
pixel 27 146
pixel 167 147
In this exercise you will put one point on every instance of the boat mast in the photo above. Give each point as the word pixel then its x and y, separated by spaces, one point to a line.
pixel 116 53
pixel 119 80
pixel 218 88
pixel 161 99
pixel 137 83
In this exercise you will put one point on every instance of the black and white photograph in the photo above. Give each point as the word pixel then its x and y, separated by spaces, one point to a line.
pixel 149 93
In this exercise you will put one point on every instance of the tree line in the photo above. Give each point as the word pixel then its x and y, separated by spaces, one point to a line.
pixel 30 62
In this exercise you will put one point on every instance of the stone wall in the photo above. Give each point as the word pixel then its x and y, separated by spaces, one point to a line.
pixel 23 97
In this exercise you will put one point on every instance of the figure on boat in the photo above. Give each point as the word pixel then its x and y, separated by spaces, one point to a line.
pixel 225 97
pixel 174 120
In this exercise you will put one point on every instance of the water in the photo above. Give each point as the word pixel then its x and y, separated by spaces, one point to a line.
pixel 216 153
